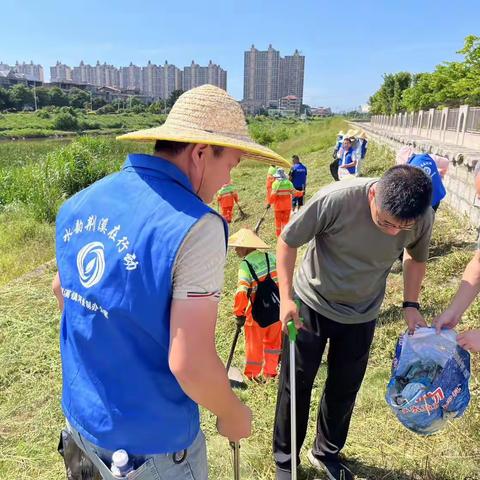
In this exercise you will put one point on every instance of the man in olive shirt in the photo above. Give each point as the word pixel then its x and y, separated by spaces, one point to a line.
pixel 355 231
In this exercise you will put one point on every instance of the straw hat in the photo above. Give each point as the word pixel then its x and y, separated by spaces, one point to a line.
pixel 207 114
pixel 363 135
pixel 340 133
pixel 247 239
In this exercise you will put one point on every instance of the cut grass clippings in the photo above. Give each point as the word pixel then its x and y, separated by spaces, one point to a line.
pixel 378 447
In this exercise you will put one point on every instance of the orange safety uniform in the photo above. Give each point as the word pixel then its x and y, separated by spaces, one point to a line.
pixel 262 345
pixel 270 179
pixel 281 196
pixel 227 196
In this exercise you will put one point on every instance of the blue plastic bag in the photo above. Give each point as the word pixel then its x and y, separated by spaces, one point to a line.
pixel 429 380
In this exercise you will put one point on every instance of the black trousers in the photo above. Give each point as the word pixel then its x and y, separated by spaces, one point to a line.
pixel 347 361
pixel 334 169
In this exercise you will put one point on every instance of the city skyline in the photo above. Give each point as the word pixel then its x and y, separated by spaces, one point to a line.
pixel 282 87
pixel 156 81
pixel 348 48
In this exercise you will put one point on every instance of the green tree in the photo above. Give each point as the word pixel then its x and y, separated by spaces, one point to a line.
pixel 450 84
pixel 5 100
pixel 43 96
pixel 77 97
pixel 157 107
pixel 173 98
pixel 98 102
pixel 468 87
pixel 401 81
pixel 58 97
pixel 21 97
pixel 388 99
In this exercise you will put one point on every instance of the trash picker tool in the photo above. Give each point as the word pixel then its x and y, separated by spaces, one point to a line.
pixel 260 221
pixel 234 374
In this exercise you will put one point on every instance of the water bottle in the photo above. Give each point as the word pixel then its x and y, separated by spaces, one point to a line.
pixel 121 465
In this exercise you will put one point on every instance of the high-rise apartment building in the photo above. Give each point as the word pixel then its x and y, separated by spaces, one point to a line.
pixel 30 70
pixel 131 77
pixel 152 80
pixel 268 77
pixel 172 79
pixel 291 75
pixel 84 73
pixel 60 73
pixel 195 75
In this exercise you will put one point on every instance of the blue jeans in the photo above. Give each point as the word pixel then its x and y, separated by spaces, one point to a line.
pixel 190 464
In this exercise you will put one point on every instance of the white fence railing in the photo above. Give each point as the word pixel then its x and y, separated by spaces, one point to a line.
pixel 460 126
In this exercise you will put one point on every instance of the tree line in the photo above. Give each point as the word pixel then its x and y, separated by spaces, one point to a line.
pixel 20 97
pixel 450 84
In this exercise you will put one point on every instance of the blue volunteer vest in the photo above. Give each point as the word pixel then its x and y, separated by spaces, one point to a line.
pixel 347 157
pixel 428 165
pixel 116 243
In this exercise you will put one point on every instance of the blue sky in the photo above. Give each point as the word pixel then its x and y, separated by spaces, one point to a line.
pixel 348 45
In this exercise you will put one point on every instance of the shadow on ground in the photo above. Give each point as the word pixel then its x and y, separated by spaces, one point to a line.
pixel 363 471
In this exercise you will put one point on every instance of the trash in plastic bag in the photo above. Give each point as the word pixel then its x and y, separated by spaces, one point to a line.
pixel 429 380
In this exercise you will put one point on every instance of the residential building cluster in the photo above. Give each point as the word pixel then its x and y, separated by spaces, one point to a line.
pixel 157 81
pixel 272 81
pixel 22 72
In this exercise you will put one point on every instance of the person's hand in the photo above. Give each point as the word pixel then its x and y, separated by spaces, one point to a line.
pixel 470 340
pixel 237 424
pixel 289 311
pixel 448 319
pixel 240 321
pixel 414 319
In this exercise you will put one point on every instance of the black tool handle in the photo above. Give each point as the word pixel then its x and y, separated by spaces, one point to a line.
pixel 234 344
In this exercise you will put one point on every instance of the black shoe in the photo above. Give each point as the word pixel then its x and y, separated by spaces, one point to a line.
pixel 334 469
pixel 283 474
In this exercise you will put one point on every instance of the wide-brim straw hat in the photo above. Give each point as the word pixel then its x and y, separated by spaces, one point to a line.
pixel 247 239
pixel 340 133
pixel 209 115
pixel 363 135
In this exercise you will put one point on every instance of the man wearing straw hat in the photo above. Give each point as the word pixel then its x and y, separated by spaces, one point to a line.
pixel 140 258
pixel 262 345
pixel 336 159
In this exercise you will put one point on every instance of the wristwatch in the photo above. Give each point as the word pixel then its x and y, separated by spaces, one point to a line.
pixel 411 305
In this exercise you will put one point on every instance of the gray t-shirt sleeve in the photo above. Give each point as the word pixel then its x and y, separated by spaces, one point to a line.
pixel 418 248
pixel 313 219
pixel 199 266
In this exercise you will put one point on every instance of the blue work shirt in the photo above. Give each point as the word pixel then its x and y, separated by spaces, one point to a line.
pixel 428 165
pixel 298 176
pixel 116 245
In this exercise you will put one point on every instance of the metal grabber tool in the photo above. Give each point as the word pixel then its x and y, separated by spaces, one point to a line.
pixel 292 337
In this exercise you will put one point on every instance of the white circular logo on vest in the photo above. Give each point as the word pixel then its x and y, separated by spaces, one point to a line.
pixel 91 264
